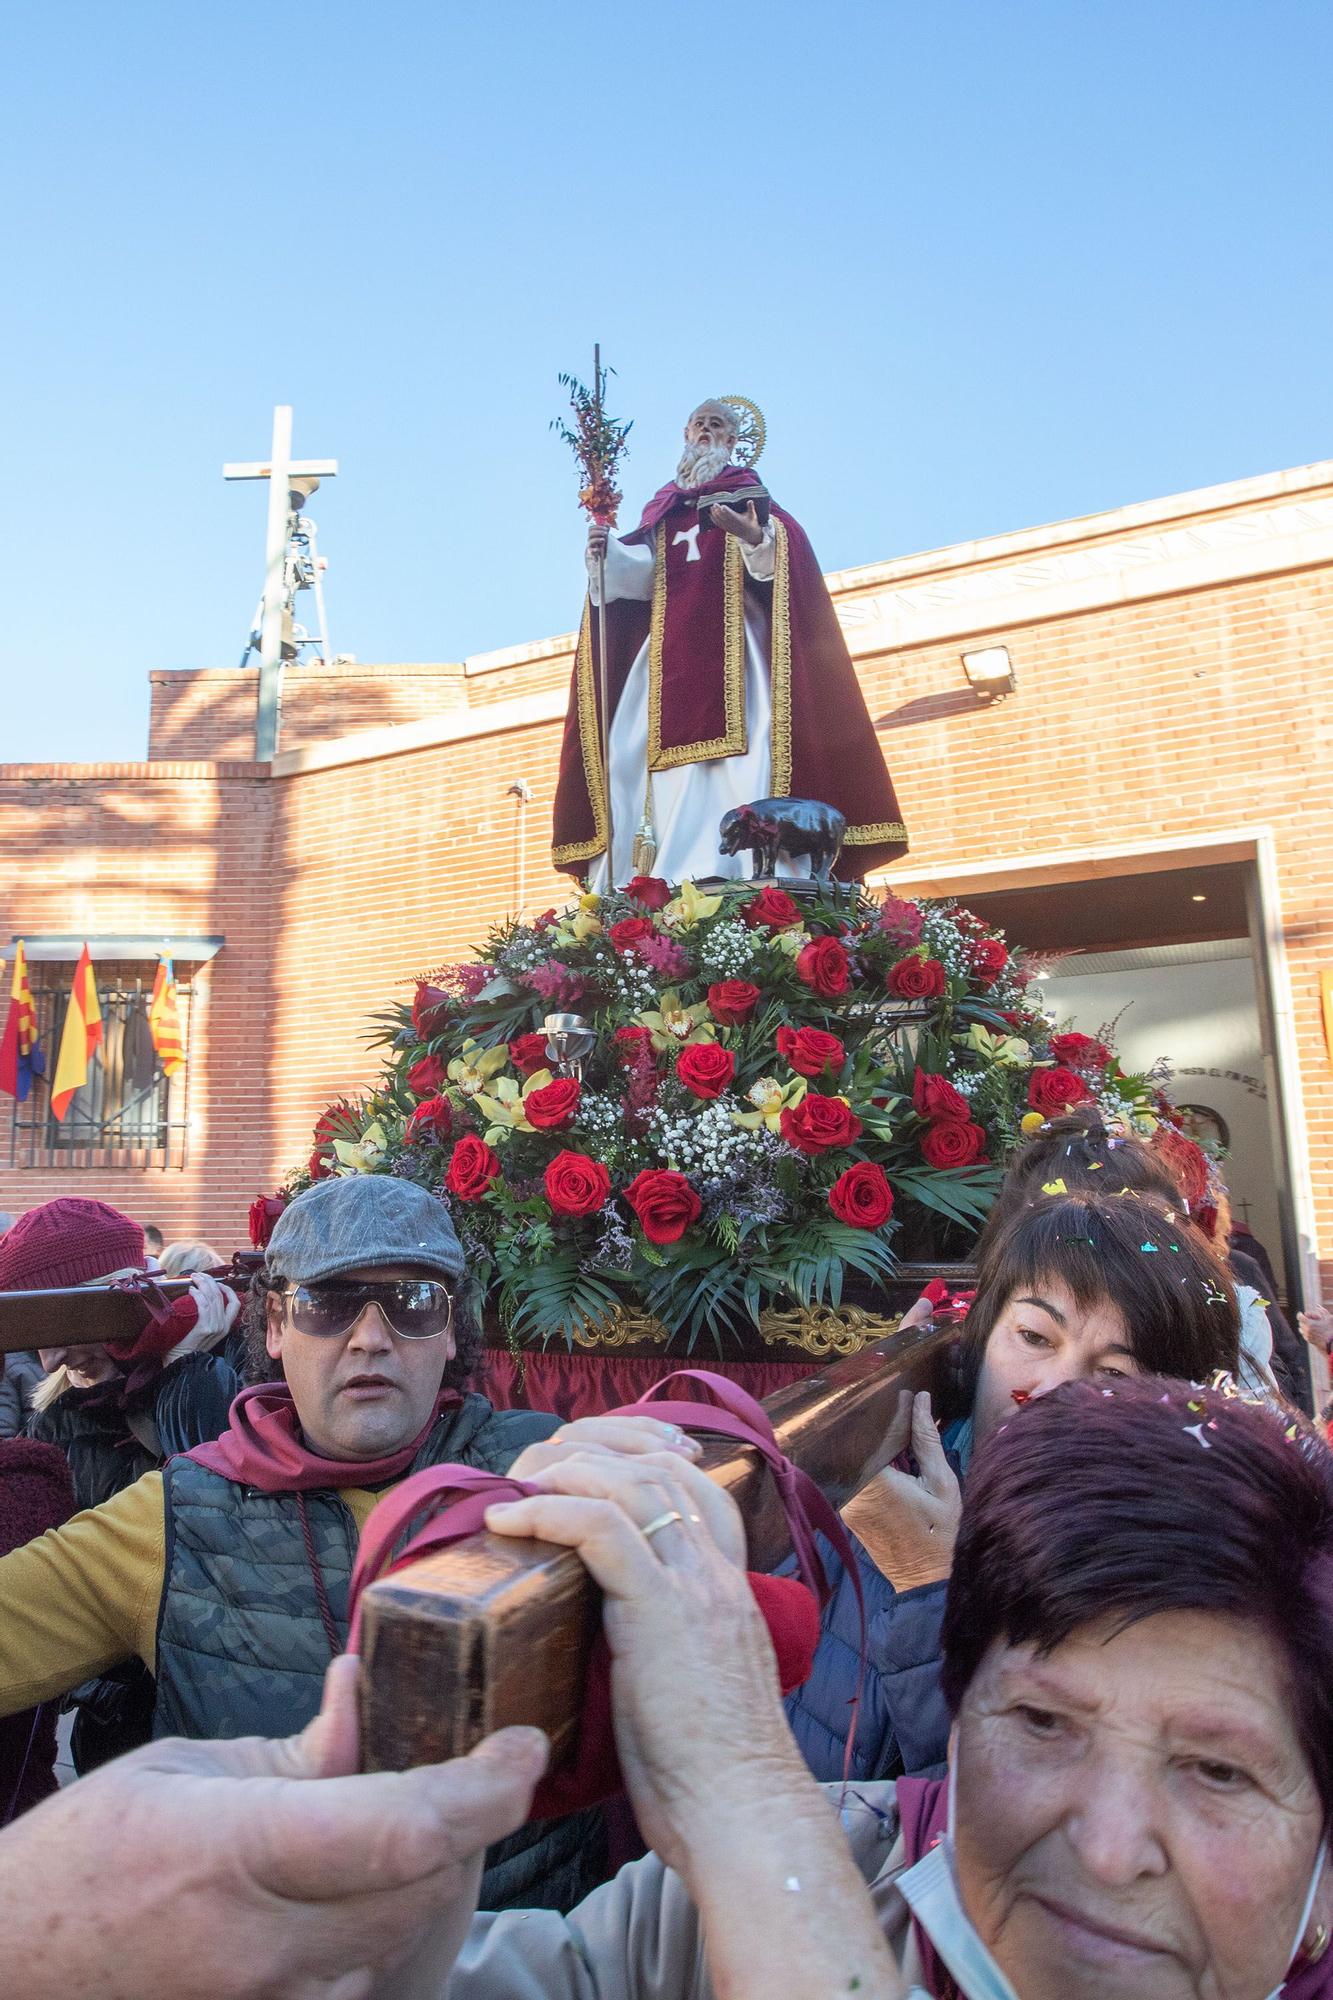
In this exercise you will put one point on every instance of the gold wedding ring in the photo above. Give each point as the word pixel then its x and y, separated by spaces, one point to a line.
pixel 662 1521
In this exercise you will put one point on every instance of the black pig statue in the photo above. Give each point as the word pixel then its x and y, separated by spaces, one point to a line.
pixel 769 827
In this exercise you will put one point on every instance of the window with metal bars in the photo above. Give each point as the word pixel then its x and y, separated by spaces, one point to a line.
pixel 128 1114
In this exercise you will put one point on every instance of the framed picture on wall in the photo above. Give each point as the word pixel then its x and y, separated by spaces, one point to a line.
pixel 1208 1128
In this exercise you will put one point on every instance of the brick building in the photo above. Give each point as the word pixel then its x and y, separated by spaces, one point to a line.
pixel 1153 795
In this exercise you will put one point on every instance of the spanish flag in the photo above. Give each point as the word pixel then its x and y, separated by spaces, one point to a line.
pixel 81 1034
pixel 21 1056
pixel 164 1020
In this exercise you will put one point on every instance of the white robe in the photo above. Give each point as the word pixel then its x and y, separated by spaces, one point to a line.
pixel 689 800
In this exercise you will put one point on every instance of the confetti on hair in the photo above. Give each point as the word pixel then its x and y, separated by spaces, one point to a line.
pixel 1094 1166
pixel 1194 1406
pixel 1196 1431
pixel 1148 1249
pixel 1213 1293
pixel 1054 1187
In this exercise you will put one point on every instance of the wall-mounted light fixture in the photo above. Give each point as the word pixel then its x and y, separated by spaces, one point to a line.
pixel 990 672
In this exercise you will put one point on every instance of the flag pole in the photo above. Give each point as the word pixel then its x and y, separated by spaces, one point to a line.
pixel 603 685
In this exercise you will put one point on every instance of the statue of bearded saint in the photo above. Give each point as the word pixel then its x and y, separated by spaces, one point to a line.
pixel 728 680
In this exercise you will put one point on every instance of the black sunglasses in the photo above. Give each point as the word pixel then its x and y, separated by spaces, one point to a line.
pixel 414 1308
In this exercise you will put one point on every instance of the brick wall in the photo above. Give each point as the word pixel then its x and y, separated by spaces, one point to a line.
pixel 210 712
pixel 157 848
pixel 1171 661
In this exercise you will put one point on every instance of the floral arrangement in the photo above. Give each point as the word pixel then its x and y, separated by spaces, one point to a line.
pixel 598 443
pixel 774 1096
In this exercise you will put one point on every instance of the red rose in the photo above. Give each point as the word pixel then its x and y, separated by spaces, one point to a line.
pixel 862 1196
pixel 916 979
pixel 576 1185
pixel 951 1143
pixel 818 1124
pixel 810 1051
pixel 263 1214
pixel 632 1040
pixel 650 890
pixel 732 1001
pixel 705 1068
pixel 824 965
pixel 528 1054
pixel 1053 1091
pixel 935 1097
pixel 472 1168
pixel 664 1202
pixel 338 1122
pixel 430 1011
pixel 1081 1050
pixel 989 958
pixel 547 1109
pixel 630 930
pixel 771 909
pixel 433 1120
pixel 426 1076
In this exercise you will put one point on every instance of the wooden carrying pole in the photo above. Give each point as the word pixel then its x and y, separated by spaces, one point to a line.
pixel 79 1315
pixel 495 1631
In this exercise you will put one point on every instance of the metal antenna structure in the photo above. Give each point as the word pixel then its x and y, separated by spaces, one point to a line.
pixel 292 564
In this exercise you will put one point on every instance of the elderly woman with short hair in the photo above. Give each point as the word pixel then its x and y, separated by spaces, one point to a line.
pixel 1137 1648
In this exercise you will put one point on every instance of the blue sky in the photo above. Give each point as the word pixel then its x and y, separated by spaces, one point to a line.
pixel 983 265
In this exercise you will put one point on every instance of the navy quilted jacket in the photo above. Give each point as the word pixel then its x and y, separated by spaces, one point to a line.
pixel 903 1725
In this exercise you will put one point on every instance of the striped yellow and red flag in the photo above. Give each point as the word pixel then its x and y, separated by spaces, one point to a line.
pixel 164 1019
pixel 20 1055
pixel 81 1034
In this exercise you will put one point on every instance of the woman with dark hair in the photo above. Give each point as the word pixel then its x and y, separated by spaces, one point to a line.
pixel 1078 1286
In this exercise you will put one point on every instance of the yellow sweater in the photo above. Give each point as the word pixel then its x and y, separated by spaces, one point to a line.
pixel 84 1596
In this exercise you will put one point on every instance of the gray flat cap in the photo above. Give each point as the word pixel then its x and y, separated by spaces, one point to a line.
pixel 363 1220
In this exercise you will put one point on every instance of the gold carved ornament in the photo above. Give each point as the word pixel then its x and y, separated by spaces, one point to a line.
pixel 820 1331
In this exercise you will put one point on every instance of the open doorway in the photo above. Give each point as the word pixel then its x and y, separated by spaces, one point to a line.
pixel 1173 950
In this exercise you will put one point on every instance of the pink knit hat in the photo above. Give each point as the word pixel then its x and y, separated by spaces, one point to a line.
pixel 67 1242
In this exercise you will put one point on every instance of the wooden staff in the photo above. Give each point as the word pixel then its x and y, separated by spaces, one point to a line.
pixel 495 1631
pixel 603 682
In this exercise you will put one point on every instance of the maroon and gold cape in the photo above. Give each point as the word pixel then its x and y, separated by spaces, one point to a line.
pixel 823 743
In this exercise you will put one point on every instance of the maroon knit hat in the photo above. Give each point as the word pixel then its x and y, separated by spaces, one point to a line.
pixel 67 1242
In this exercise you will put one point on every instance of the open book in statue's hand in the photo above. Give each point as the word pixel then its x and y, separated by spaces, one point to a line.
pixel 757 497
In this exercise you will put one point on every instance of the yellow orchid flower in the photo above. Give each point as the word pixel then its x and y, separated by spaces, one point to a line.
pixel 690 908
pixel 770 1099
pixel 1009 1049
pixel 585 925
pixel 791 941
pixel 503 1104
pixel 470 1071
pixel 363 1155
pixel 671 1024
